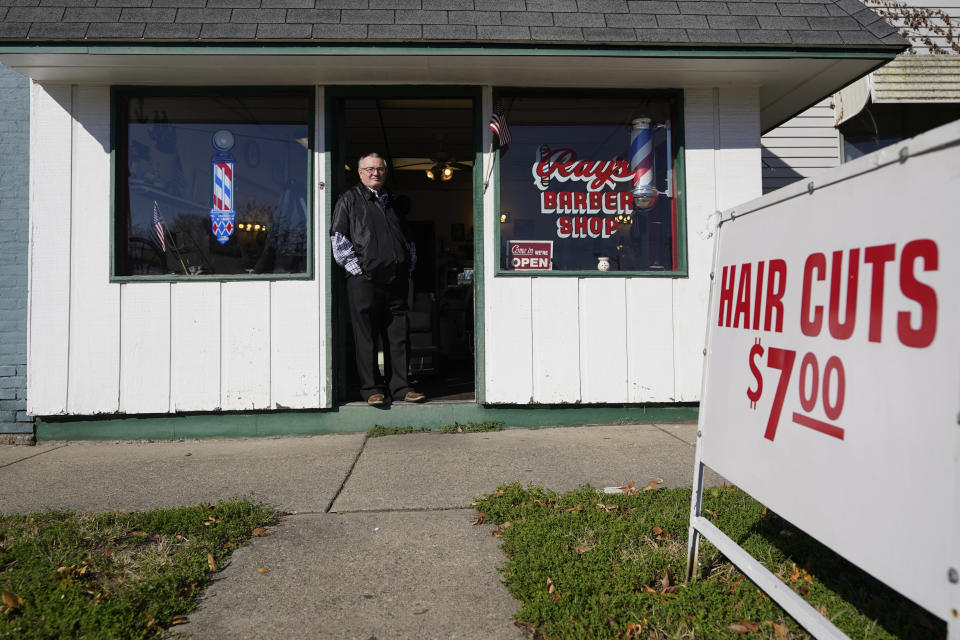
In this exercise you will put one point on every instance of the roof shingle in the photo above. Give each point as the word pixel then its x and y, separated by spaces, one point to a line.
pixel 759 23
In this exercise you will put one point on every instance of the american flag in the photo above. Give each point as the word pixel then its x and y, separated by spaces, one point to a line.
pixel 159 228
pixel 498 124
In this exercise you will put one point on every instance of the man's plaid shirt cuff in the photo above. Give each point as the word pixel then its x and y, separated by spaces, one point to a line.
pixel 344 255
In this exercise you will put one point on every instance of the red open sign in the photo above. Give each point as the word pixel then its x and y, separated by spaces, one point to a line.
pixel 531 255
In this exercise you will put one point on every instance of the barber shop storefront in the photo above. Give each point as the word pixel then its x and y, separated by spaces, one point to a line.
pixel 182 281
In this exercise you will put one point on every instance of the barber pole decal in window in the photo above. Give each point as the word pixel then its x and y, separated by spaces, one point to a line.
pixel 222 215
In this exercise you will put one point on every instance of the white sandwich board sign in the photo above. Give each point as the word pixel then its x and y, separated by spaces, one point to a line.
pixel 831 388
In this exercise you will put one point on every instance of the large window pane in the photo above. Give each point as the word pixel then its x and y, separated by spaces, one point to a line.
pixel 213 182
pixel 567 182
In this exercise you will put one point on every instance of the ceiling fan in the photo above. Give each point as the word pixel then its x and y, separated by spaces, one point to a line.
pixel 440 165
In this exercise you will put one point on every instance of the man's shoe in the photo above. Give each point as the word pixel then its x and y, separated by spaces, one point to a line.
pixel 414 396
pixel 377 400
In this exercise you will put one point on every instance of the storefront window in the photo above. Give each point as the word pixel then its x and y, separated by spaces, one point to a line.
pixel 589 184
pixel 212 182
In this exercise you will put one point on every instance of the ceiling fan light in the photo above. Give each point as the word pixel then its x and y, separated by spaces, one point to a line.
pixel 447 173
pixel 430 174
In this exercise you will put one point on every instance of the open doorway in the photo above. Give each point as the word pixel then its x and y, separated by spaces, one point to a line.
pixel 429 144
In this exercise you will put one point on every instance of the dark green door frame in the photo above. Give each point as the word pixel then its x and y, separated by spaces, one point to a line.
pixel 334 97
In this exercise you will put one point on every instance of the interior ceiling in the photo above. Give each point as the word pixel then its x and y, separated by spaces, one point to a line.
pixel 786 84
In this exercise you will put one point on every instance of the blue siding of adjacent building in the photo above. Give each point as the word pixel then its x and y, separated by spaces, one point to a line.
pixel 14 232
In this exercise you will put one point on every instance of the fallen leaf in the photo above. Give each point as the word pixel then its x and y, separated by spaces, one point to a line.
pixel 653 485
pixel 584 548
pixel 505 525
pixel 749 625
pixel 823 610
pixel 262 570
pixel 211 520
pixel 552 590
pixel 781 631
pixel 633 630
pixel 657 530
pixel 179 620
pixel 262 531
pixel 711 512
pixel 629 488
pixel 496 494
pixel 211 563
pixel 187 454
pixel 139 534
pixel 480 519
pixel 738 628
pixel 666 580
pixel 12 600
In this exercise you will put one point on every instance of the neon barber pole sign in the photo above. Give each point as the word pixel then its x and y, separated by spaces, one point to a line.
pixel 598 211
pixel 222 215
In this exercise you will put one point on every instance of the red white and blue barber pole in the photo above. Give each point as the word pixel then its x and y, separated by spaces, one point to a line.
pixel 641 163
pixel 222 215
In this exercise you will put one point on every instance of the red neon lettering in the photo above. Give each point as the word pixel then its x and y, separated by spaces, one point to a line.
pixel 921 293
pixel 609 226
pixel 580 202
pixel 548 202
pixel 580 227
pixel 595 201
pixel 595 227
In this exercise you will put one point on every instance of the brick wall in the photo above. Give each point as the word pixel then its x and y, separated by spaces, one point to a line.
pixel 14 224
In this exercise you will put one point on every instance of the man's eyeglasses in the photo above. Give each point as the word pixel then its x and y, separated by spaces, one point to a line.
pixel 369 170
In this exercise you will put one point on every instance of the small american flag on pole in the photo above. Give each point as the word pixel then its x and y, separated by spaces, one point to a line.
pixel 159 227
pixel 498 124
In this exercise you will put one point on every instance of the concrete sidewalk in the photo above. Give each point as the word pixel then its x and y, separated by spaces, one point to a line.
pixel 380 543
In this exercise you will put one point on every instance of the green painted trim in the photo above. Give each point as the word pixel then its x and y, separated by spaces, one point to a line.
pixel 350 418
pixel 335 94
pixel 479 262
pixel 327 249
pixel 440 49
pixel 117 93
pixel 677 95
pixel 114 196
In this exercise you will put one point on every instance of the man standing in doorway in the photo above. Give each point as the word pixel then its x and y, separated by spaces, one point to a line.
pixel 371 242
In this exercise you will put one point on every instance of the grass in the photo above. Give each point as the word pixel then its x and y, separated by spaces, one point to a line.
pixel 378 430
pixel 588 565
pixel 115 575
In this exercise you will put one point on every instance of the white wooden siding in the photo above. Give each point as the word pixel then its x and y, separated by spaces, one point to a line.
pixel 94 371
pixel 145 348
pixel 801 147
pixel 98 347
pixel 195 346
pixel 918 78
pixel 618 340
pixel 48 309
pixel 252 345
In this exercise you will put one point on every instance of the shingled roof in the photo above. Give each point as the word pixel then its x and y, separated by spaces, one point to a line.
pixel 802 24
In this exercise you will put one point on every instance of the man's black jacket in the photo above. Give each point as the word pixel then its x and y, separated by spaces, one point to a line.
pixel 379 236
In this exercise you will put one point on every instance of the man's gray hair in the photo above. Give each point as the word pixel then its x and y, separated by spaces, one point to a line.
pixel 372 154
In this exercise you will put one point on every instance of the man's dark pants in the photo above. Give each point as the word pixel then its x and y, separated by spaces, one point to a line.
pixel 380 310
